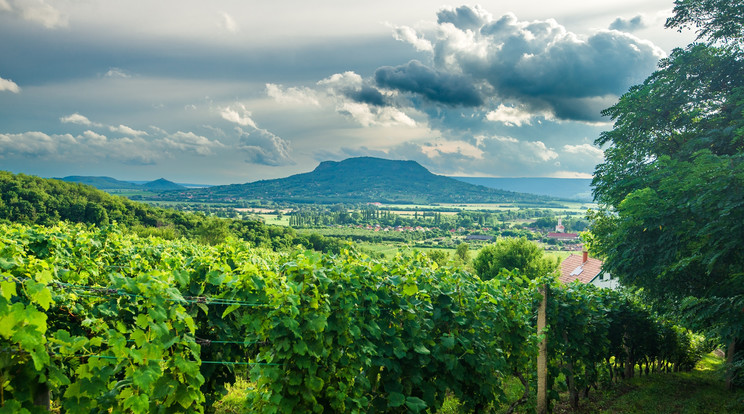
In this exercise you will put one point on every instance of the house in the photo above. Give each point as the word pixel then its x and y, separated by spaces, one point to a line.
pixel 586 270
pixel 564 236
pixel 478 237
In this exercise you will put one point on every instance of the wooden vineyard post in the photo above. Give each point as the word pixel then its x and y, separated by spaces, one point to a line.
pixel 730 360
pixel 542 357
pixel 42 398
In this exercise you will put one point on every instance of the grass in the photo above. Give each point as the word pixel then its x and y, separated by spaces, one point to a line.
pixel 701 390
pixel 274 219
pixel 388 249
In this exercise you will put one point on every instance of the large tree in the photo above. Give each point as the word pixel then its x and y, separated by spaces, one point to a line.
pixel 513 254
pixel 671 187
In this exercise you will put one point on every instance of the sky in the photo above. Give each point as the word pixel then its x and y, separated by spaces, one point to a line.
pixel 227 92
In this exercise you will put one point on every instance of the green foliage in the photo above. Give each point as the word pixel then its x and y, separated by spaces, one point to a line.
pixel 462 252
pixel 697 391
pixel 714 20
pixel 514 254
pixel 111 321
pixel 671 187
pixel 33 200
pixel 592 331
pixel 440 257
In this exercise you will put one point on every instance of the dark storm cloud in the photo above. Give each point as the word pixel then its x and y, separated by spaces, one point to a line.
pixel 538 64
pixel 628 25
pixel 436 86
pixel 366 94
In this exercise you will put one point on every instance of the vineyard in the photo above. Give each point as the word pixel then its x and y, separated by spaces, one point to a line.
pixel 100 320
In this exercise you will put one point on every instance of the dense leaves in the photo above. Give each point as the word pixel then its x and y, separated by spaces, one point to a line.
pixel 670 188
pixel 514 254
pixel 109 321
pixel 33 200
pixel 714 20
pixel 601 335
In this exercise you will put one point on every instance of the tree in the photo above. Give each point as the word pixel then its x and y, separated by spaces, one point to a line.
pixel 671 187
pixel 714 20
pixel 462 252
pixel 513 254
pixel 438 256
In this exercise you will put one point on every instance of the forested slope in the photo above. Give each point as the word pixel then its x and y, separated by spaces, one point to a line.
pixel 34 200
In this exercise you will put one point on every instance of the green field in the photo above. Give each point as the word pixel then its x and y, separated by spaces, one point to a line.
pixel 274 219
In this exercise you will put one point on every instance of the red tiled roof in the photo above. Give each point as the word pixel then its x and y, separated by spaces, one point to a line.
pixel 563 235
pixel 588 271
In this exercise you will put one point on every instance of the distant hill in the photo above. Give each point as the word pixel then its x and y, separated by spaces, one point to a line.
pixel 162 184
pixel 108 183
pixel 101 183
pixel 362 179
pixel 29 199
pixel 578 189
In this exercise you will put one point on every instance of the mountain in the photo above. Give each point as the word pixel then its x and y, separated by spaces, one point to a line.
pixel 578 189
pixel 362 179
pixel 108 183
pixel 101 183
pixel 161 184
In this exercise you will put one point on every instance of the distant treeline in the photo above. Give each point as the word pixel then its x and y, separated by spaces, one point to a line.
pixel 467 219
pixel 33 200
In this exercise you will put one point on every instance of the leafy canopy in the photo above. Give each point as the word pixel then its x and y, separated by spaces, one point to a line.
pixel 513 254
pixel 671 187
pixel 715 20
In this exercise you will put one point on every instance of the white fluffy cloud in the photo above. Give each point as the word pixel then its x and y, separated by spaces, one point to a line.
pixel 229 24
pixel 9 85
pixel 35 11
pixel 586 150
pixel 79 119
pixel 91 146
pixel 190 142
pixel 263 147
pixel 32 144
pixel 117 73
pixel 292 95
pixel 260 145
pixel 76 118
pixel 514 115
pixel 369 115
pixel 510 150
pixel 408 35
pixel 125 130
pixel 239 114
pixel 462 148
pixel 93 138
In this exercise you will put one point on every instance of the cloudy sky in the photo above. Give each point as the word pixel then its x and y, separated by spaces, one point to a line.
pixel 235 91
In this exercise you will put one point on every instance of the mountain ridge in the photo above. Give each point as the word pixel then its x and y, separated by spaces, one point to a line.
pixel 109 183
pixel 360 179
pixel 578 189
